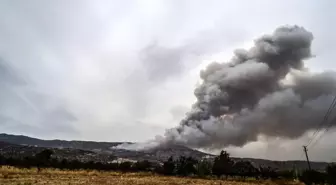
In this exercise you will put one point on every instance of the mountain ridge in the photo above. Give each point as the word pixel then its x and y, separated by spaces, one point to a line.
pixel 100 151
pixel 160 153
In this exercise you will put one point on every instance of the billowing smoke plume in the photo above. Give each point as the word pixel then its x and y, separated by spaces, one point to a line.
pixel 265 90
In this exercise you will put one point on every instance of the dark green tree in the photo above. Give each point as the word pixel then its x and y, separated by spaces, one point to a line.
pixel 244 169
pixel 44 155
pixel 169 167
pixel 267 172
pixel 222 164
pixel 185 166
pixel 125 166
pixel 203 168
pixel 43 158
pixel 142 166
pixel 64 164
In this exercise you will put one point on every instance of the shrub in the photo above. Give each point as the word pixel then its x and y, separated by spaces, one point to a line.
pixel 310 177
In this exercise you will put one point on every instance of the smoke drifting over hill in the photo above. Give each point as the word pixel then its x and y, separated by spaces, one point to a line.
pixel 265 90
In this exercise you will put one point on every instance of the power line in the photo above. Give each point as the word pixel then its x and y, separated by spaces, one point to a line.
pixel 315 142
pixel 323 121
pixel 325 118
pixel 330 124
pixel 325 131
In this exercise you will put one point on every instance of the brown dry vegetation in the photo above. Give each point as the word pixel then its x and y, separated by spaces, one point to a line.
pixel 15 176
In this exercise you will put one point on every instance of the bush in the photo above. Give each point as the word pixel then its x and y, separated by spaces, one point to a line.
pixel 244 169
pixel 125 166
pixel 142 166
pixel 331 174
pixel 267 173
pixel 310 177
pixel 286 174
pixel 185 166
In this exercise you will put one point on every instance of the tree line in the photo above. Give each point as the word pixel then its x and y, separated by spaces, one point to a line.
pixel 221 167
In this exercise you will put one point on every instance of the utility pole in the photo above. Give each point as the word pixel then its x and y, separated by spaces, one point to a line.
pixel 305 151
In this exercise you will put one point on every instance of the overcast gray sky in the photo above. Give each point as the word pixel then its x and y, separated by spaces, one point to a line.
pixel 126 70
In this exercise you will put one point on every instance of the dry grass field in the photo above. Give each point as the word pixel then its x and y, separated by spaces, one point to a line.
pixel 15 176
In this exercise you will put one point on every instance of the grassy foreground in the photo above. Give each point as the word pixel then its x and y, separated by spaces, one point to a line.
pixel 15 176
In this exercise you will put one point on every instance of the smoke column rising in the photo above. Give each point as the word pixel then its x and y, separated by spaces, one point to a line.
pixel 265 90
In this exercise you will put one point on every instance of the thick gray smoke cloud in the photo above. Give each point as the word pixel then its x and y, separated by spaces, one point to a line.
pixel 265 90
